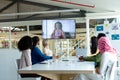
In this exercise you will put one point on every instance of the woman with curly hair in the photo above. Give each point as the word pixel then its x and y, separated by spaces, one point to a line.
pixel 108 59
pixel 25 45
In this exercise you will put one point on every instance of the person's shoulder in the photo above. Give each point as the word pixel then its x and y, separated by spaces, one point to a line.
pixel 26 51
pixel 35 48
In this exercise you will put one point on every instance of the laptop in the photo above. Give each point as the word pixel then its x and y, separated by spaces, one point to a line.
pixel 81 52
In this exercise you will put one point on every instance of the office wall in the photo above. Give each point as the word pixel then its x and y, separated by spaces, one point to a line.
pixel 8 68
pixel 112 31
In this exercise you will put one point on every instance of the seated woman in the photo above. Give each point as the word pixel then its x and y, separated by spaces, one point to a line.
pixel 95 56
pixel 36 54
pixel 108 57
pixel 46 49
pixel 25 45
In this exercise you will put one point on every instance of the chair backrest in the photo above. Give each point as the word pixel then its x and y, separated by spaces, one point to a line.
pixel 26 76
pixel 110 73
pixel 18 63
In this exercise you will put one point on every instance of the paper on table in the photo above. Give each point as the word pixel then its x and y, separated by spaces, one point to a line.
pixel 46 62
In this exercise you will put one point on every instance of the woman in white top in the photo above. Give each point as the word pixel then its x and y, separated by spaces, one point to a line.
pixel 46 49
pixel 25 45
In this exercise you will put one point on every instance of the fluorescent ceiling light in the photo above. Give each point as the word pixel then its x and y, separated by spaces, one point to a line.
pixel 41 12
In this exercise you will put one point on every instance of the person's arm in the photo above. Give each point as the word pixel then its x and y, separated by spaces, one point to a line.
pixel 89 58
pixel 52 35
pixel 63 35
pixel 41 55
pixel 92 57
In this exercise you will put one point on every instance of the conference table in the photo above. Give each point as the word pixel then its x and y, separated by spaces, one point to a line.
pixel 60 69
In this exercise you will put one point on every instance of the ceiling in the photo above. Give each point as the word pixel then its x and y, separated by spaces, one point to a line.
pixel 85 6
pixel 99 5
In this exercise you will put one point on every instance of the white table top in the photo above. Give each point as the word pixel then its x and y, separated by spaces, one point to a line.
pixel 61 67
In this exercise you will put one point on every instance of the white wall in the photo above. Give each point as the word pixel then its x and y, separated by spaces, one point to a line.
pixel 8 68
pixel 111 30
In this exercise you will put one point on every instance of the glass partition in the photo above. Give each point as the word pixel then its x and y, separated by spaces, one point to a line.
pixel 108 26
pixel 36 30
pixel 57 46
pixel 16 33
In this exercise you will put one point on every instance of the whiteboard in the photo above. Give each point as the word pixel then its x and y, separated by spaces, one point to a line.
pixel 112 31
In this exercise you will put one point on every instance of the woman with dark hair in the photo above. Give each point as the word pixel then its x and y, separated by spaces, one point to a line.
pixel 25 45
pixel 108 58
pixel 95 56
pixel 36 54
pixel 58 32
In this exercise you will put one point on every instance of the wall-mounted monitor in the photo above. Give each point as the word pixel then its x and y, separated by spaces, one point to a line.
pixel 59 29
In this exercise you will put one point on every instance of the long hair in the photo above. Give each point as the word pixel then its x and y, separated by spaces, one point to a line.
pixel 25 43
pixel 60 25
pixel 35 40
pixel 93 44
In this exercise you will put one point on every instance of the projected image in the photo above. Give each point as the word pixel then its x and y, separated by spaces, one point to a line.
pixel 58 29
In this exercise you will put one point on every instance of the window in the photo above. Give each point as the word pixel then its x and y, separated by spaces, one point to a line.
pixel 16 33
pixel 4 37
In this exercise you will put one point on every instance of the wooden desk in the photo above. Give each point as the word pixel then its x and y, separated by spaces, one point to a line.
pixel 56 70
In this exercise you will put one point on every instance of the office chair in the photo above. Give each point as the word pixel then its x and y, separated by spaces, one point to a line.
pixel 25 78
pixel 110 73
